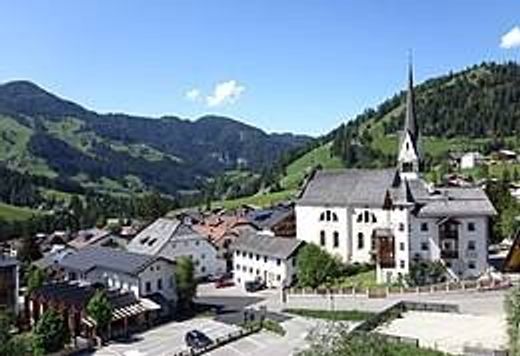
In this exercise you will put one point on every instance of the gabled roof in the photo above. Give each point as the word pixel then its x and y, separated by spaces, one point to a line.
pixel 456 202
pixel 113 259
pixel 265 219
pixel 153 238
pixel 266 245
pixel 347 187
pixel 88 237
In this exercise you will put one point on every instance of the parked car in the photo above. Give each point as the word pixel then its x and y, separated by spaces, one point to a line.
pixel 254 286
pixel 196 339
pixel 224 282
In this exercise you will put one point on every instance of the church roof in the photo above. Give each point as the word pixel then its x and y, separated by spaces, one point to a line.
pixel 369 187
pixel 410 121
pixel 342 187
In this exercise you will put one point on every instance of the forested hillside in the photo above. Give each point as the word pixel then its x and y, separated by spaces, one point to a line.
pixel 475 108
pixel 47 136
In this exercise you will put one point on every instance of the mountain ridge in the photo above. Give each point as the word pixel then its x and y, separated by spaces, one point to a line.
pixel 168 153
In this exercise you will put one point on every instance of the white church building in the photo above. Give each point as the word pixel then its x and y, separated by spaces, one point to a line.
pixel 394 218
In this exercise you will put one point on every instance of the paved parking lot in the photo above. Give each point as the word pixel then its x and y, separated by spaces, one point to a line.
pixel 269 344
pixel 450 332
pixel 165 339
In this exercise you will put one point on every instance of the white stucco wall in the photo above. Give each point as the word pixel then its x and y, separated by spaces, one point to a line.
pixel 160 270
pixel 309 227
pixel 201 251
pixel 248 266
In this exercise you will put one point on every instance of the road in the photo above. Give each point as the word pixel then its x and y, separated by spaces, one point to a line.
pixel 477 309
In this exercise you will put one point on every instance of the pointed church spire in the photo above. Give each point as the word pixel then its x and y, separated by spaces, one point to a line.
pixel 410 123
pixel 409 156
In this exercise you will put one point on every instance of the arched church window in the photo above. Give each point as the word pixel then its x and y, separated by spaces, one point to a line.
pixel 328 215
pixel 367 216
pixel 360 217
pixel 322 238
pixel 374 220
pixel 334 217
pixel 361 241
pixel 322 216
pixel 336 239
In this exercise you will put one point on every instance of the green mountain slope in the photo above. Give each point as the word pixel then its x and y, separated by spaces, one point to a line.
pixel 45 135
pixel 475 109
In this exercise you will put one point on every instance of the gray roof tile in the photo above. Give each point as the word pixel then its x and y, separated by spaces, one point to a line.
pixel 267 245
pixel 342 187
pixel 105 257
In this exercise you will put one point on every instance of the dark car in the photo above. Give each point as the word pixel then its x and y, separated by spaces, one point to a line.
pixel 197 339
pixel 224 282
pixel 254 286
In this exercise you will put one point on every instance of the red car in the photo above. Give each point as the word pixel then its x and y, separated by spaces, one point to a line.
pixel 224 282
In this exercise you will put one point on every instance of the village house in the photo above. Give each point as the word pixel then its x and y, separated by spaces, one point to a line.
pixel 278 220
pixel 394 218
pixel 171 239
pixel 265 258
pixel 466 160
pixel 143 275
pixel 70 299
pixel 9 283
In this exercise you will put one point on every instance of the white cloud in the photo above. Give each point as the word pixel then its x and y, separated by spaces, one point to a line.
pixel 225 93
pixel 511 39
pixel 193 94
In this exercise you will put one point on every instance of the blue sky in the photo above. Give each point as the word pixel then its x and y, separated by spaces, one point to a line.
pixel 300 66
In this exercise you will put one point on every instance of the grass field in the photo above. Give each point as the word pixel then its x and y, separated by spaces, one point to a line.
pixel 14 213
pixel 260 200
pixel 351 315
pixel 296 171
pixel 362 280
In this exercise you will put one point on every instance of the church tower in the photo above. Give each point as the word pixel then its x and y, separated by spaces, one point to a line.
pixel 409 157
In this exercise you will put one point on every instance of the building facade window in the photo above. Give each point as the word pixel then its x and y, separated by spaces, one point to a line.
pixel 472 265
pixel 401 246
pixel 336 239
pixel 424 246
pixel 471 226
pixel 401 227
pixel 472 245
pixel 148 287
pixel 322 238
pixel 424 226
pixel 159 284
pixel 401 263
pixel 278 262
pixel 361 241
